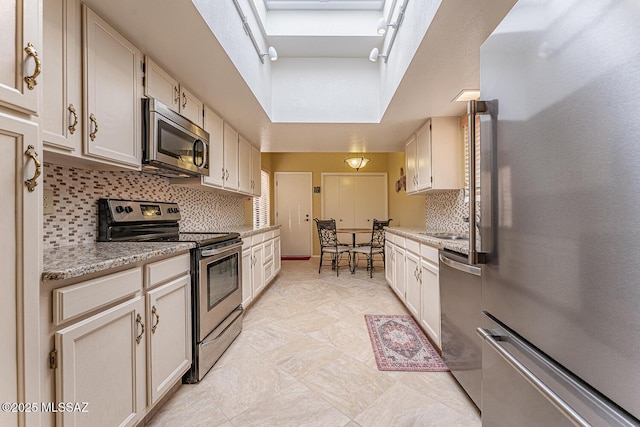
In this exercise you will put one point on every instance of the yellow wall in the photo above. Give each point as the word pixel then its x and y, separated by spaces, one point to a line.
pixel 405 210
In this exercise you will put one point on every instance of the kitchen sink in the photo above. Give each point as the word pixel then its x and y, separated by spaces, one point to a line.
pixel 447 236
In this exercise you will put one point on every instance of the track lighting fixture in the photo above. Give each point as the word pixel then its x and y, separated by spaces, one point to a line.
pixel 381 28
pixel 271 53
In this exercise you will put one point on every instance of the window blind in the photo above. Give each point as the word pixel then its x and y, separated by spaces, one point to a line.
pixel 262 204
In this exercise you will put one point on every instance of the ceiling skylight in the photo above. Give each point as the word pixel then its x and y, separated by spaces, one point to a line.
pixel 324 4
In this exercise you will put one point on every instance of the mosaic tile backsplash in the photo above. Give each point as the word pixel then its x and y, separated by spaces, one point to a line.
pixel 76 193
pixel 445 212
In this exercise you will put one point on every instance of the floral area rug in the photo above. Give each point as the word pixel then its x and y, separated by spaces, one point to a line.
pixel 400 345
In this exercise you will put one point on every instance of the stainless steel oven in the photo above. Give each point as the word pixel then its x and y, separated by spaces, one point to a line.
pixel 216 272
pixel 172 145
pixel 217 304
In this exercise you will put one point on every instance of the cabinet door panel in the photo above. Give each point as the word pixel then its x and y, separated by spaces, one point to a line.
pixel 412 290
pixel 423 160
pixel 257 269
pixel 112 93
pixel 247 278
pixel 101 362
pixel 412 165
pixel 230 157
pixel 20 26
pixel 161 85
pixel 244 165
pixel 430 310
pixel 215 126
pixel 190 106
pixel 256 169
pixel 169 322
pixel 62 81
pixel 20 263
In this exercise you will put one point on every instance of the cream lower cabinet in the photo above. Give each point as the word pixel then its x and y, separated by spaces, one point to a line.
pixel 102 361
pixel 261 263
pixel 412 283
pixel 121 341
pixel 169 335
pixel 21 266
pixel 430 293
pixel 412 272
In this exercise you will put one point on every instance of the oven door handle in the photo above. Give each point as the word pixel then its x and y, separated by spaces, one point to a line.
pixel 218 251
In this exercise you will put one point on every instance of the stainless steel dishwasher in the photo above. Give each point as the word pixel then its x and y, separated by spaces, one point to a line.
pixel 460 299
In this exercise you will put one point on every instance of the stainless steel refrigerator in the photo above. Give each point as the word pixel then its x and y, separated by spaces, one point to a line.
pixel 560 217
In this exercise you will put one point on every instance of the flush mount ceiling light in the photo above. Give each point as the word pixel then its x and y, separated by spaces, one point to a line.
pixel 272 54
pixel 356 160
pixel 381 28
pixel 467 95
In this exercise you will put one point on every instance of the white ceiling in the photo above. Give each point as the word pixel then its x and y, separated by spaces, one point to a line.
pixel 447 60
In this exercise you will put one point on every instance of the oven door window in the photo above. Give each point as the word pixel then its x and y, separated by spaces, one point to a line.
pixel 222 280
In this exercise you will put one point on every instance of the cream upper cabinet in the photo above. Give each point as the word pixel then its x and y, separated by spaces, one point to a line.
pixel 101 360
pixel 21 63
pixel 244 165
pixel 62 83
pixel 423 156
pixel 434 156
pixel 21 266
pixel 161 85
pixel 411 157
pixel 230 137
pixel 256 169
pixel 248 167
pixel 112 93
pixel 214 125
pixel 169 335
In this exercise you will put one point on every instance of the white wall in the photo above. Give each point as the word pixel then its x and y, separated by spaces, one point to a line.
pixel 325 90
pixel 417 19
pixel 226 25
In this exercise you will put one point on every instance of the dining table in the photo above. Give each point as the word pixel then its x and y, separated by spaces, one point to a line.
pixel 353 232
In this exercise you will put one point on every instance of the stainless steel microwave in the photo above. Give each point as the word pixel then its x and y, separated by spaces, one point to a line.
pixel 172 146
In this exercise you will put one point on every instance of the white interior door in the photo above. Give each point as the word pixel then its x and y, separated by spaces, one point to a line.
pixel 293 212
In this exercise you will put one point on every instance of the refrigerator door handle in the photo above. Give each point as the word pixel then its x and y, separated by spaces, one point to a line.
pixel 488 180
pixel 557 401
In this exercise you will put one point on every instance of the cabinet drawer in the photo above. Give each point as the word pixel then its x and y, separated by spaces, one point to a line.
pixel 257 239
pixel 430 253
pixel 389 237
pixel 268 235
pixel 75 300
pixel 166 269
pixel 412 245
pixel 276 232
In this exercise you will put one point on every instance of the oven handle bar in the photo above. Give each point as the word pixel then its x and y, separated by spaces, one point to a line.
pixel 229 321
pixel 217 251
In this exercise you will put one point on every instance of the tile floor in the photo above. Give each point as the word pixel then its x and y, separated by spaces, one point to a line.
pixel 304 359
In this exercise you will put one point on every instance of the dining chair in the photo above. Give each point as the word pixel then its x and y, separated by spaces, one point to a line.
pixel 329 243
pixel 374 247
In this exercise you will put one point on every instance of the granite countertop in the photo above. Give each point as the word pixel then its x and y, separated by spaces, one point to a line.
pixel 460 246
pixel 246 230
pixel 68 262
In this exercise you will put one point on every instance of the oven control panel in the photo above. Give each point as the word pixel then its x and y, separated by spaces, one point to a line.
pixel 140 211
